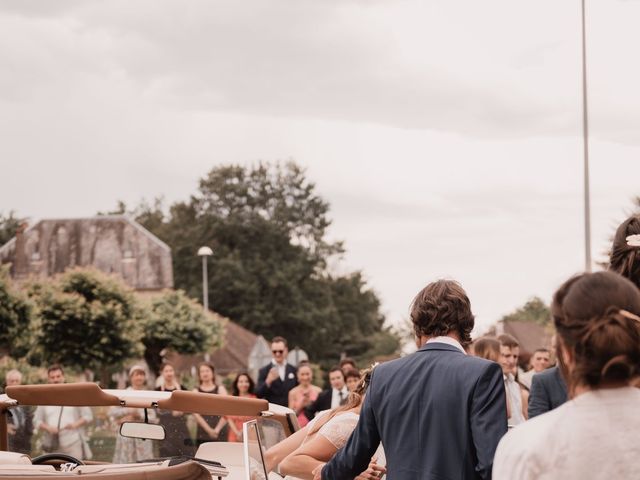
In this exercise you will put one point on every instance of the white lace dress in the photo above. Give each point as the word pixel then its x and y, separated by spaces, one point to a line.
pixel 337 430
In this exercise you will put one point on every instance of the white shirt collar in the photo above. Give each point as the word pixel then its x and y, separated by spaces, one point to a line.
pixel 449 341
pixel 335 396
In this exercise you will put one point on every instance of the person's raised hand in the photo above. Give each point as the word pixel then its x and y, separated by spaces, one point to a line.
pixel 373 471
pixel 272 376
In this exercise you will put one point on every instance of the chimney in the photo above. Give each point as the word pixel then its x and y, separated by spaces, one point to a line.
pixel 20 261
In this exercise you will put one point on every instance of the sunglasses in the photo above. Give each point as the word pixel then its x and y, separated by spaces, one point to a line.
pixel 275 352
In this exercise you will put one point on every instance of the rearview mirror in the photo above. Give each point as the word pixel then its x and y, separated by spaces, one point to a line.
pixel 147 431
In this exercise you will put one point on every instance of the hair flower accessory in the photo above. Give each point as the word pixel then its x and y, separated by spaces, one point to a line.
pixel 633 240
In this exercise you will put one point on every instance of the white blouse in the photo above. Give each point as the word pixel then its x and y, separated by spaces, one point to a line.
pixel 594 436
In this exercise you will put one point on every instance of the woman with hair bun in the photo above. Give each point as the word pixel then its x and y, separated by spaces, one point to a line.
pixel 625 251
pixel 594 434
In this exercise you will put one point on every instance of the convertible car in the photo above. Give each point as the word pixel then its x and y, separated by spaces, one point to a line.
pixel 110 436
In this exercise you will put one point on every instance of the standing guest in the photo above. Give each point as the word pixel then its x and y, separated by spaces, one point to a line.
pixel 348 363
pixel 331 397
pixel 487 348
pixel 243 386
pixel 438 412
pixel 210 428
pixel 625 251
pixel 594 434
pixel 63 427
pixel 539 362
pixel 548 391
pixel 132 450
pixel 178 441
pixel 516 398
pixel 352 379
pixel 304 394
pixel 276 379
pixel 20 422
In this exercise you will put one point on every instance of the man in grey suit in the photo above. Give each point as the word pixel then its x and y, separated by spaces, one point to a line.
pixel 548 391
pixel 438 412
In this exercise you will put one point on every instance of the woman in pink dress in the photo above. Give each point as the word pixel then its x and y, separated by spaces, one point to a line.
pixel 243 386
pixel 304 394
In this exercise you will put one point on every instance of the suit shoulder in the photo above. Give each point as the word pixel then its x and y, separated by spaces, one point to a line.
pixel 544 376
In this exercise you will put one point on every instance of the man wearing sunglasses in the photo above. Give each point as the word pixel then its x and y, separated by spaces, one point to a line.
pixel 278 377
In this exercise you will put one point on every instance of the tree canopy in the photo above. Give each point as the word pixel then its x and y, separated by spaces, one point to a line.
pixel 269 272
pixel 176 322
pixel 8 226
pixel 86 320
pixel 15 318
pixel 534 310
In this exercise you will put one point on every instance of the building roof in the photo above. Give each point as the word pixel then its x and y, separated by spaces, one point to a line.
pixel 111 243
pixel 232 357
pixel 530 335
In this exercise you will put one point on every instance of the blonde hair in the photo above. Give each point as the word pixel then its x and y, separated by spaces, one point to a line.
pixel 354 399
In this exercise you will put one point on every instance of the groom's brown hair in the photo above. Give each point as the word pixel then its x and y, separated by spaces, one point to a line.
pixel 440 308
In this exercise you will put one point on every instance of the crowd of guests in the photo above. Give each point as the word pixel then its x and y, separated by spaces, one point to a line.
pixel 455 408
pixel 64 428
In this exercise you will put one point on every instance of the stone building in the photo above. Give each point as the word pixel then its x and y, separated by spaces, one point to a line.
pixel 114 244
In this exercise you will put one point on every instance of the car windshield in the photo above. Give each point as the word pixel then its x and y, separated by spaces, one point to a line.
pixel 93 433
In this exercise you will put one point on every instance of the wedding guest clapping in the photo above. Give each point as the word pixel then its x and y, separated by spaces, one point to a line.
pixel 304 394
pixel 594 434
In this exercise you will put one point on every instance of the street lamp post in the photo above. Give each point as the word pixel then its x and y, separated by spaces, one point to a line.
pixel 585 139
pixel 205 252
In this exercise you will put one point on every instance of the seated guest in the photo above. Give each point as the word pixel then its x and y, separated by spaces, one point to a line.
pixel 539 362
pixel 516 397
pixel 594 434
pixel 316 443
pixel 332 397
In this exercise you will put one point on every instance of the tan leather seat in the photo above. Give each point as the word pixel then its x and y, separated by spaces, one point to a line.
pixel 13 458
pixel 184 471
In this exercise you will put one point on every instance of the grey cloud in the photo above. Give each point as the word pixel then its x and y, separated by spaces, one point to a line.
pixel 297 59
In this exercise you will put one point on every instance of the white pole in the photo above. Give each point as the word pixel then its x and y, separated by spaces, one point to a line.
pixel 205 288
pixel 585 137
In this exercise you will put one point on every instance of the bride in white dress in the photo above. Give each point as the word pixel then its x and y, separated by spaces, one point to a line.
pixel 300 454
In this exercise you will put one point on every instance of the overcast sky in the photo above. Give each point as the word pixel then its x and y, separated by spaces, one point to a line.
pixel 445 134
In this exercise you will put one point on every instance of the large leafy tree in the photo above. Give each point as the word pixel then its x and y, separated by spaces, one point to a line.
pixel 9 225
pixel 15 318
pixel 267 226
pixel 176 322
pixel 86 320
pixel 534 310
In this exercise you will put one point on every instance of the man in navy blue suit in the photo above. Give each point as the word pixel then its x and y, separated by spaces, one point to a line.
pixel 438 412
pixel 548 391
pixel 278 377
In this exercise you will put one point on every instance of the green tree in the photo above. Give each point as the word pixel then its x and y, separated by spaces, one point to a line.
pixel 534 310
pixel 267 227
pixel 15 317
pixel 176 322
pixel 86 320
pixel 9 226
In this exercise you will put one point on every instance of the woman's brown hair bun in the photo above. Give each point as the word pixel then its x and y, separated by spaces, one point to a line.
pixel 596 316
